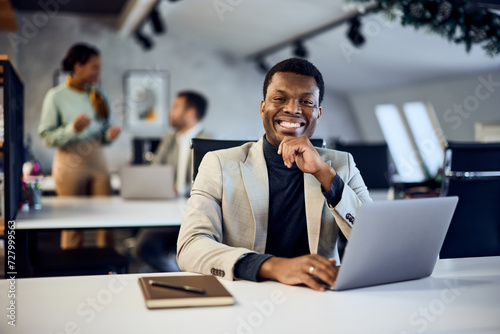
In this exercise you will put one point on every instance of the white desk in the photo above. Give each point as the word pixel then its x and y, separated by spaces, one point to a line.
pixel 101 212
pixel 462 296
pixel 91 212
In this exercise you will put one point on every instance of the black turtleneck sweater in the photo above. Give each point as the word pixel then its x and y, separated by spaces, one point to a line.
pixel 287 226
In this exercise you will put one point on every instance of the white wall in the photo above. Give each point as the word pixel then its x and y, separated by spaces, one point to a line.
pixel 233 86
pixel 338 121
pixel 6 48
pixel 459 103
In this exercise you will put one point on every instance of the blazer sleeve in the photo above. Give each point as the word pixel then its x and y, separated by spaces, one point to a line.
pixel 355 193
pixel 50 129
pixel 200 246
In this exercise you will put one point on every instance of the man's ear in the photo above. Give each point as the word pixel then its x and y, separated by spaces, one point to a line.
pixel 320 112
pixel 191 113
pixel 262 105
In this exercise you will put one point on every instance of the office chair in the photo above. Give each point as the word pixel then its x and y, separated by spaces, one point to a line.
pixel 200 147
pixel 472 172
pixel 371 160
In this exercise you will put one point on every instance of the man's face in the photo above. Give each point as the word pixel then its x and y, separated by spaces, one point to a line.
pixel 290 107
pixel 177 113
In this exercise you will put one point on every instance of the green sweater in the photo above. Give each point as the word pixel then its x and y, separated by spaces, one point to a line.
pixel 60 107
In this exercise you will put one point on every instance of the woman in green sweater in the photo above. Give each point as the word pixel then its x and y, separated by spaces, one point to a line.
pixel 76 119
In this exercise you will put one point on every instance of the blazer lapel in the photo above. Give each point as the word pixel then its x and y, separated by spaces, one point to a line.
pixel 314 209
pixel 254 173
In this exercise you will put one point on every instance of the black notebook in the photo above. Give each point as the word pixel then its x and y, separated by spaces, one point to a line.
pixel 164 297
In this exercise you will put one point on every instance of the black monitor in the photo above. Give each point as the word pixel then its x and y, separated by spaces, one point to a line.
pixel 371 160
pixel 12 149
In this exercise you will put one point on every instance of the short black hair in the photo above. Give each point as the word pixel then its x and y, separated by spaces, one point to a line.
pixel 297 66
pixel 78 53
pixel 195 100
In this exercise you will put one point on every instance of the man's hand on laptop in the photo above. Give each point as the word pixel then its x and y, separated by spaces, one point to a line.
pixel 302 152
pixel 310 270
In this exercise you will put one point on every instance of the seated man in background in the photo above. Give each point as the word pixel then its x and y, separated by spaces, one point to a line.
pixel 185 115
pixel 273 209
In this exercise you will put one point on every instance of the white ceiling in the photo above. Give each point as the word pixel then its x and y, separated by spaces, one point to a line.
pixel 392 55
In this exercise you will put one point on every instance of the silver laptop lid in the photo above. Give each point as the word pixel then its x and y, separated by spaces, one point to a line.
pixel 394 241
pixel 147 182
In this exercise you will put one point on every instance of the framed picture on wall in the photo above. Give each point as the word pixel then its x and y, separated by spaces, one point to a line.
pixel 146 101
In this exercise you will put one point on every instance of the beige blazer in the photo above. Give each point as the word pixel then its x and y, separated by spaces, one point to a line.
pixel 227 213
pixel 167 153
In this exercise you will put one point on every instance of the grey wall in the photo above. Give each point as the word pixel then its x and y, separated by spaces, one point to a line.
pixel 458 102
pixel 233 86
pixel 337 121
pixel 6 48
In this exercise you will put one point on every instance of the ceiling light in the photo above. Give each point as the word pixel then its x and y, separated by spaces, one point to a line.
pixel 261 64
pixel 145 41
pixel 156 20
pixel 300 49
pixel 354 33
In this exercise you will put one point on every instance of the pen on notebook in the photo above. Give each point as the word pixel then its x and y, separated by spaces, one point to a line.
pixel 178 287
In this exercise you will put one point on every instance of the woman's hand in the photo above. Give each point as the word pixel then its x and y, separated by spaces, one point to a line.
pixel 113 132
pixel 81 122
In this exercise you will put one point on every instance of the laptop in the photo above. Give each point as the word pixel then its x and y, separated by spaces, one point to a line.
pixel 147 182
pixel 394 241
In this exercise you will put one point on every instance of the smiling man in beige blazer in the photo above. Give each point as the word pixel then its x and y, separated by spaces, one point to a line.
pixel 273 209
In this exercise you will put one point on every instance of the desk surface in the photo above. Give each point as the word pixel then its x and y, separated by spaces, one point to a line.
pixel 462 296
pixel 108 212
pixel 101 212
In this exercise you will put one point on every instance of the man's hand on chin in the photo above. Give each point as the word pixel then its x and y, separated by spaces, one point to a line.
pixel 302 152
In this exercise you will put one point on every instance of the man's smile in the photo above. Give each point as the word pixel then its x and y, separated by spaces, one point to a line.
pixel 289 125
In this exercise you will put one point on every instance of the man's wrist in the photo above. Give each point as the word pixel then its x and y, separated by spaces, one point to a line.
pixel 266 270
pixel 248 265
pixel 334 195
pixel 325 176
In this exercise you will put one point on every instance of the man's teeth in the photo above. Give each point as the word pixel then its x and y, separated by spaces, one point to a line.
pixel 290 125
